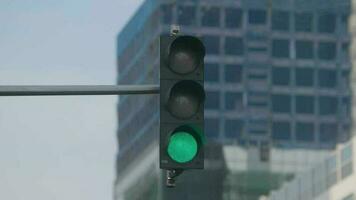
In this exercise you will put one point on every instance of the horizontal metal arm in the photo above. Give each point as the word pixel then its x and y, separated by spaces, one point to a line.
pixel 34 90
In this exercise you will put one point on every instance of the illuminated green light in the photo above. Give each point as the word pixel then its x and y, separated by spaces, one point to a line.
pixel 182 147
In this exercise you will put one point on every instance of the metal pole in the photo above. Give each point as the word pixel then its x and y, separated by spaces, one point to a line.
pixel 34 90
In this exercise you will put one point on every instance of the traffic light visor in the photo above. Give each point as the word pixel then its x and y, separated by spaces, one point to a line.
pixel 186 53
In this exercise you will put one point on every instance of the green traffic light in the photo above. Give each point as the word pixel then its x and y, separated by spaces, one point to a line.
pixel 182 147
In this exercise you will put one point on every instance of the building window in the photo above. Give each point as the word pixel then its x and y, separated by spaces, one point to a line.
pixel 258 126
pixel 212 100
pixel 328 105
pixel 346 161
pixel 233 101
pixel 280 21
pixel 304 132
pixel 327 78
pixel 258 99
pixel 304 77
pixel 212 44
pixel 166 14
pixel 346 170
pixel 280 48
pixel 211 72
pixel 304 49
pixel 344 79
pixel 344 22
pixel 304 104
pixel 280 76
pixel 326 23
pixel 328 132
pixel 187 15
pixel 257 17
pixel 327 50
pixel 234 46
pixel 233 73
pixel 257 49
pixel 281 130
pixel 281 103
pixel 331 164
pixel 233 128
pixel 345 51
pixel 212 127
pixel 303 22
pixel 346 106
pixel 210 17
pixel 331 176
pixel 349 197
pixel 257 76
pixel 346 154
pixel 233 18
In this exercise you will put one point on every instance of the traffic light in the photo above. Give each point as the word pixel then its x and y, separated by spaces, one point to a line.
pixel 181 102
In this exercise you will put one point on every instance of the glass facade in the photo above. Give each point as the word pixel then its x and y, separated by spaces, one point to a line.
pixel 315 183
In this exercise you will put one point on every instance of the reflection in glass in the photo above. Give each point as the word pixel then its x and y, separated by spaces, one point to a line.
pixel 233 73
pixel 233 101
pixel 280 48
pixel 212 44
pixel 233 18
pixel 327 50
pixel 304 49
pixel 327 78
pixel 303 21
pixel 281 76
pixel 233 128
pixel 257 17
pixel 281 130
pixel 305 132
pixel 280 20
pixel 281 103
pixel 234 46
pixel 212 100
pixel 328 105
pixel 326 23
pixel 210 17
pixel 212 127
pixel 304 104
pixel 304 77
pixel 211 72
pixel 328 132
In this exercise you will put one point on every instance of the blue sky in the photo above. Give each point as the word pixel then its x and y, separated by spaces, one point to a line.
pixel 59 147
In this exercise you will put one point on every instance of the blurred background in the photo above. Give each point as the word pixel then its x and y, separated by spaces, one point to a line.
pixel 278 115
pixel 59 147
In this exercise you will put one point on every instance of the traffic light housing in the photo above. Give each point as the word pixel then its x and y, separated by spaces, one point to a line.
pixel 182 98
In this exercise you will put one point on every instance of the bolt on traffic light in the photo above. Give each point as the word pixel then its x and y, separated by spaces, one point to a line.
pixel 181 102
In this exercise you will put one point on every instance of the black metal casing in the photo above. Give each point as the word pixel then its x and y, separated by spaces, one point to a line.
pixel 168 122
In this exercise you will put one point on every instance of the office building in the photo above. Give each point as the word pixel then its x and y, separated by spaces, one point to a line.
pixel 332 179
pixel 277 82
